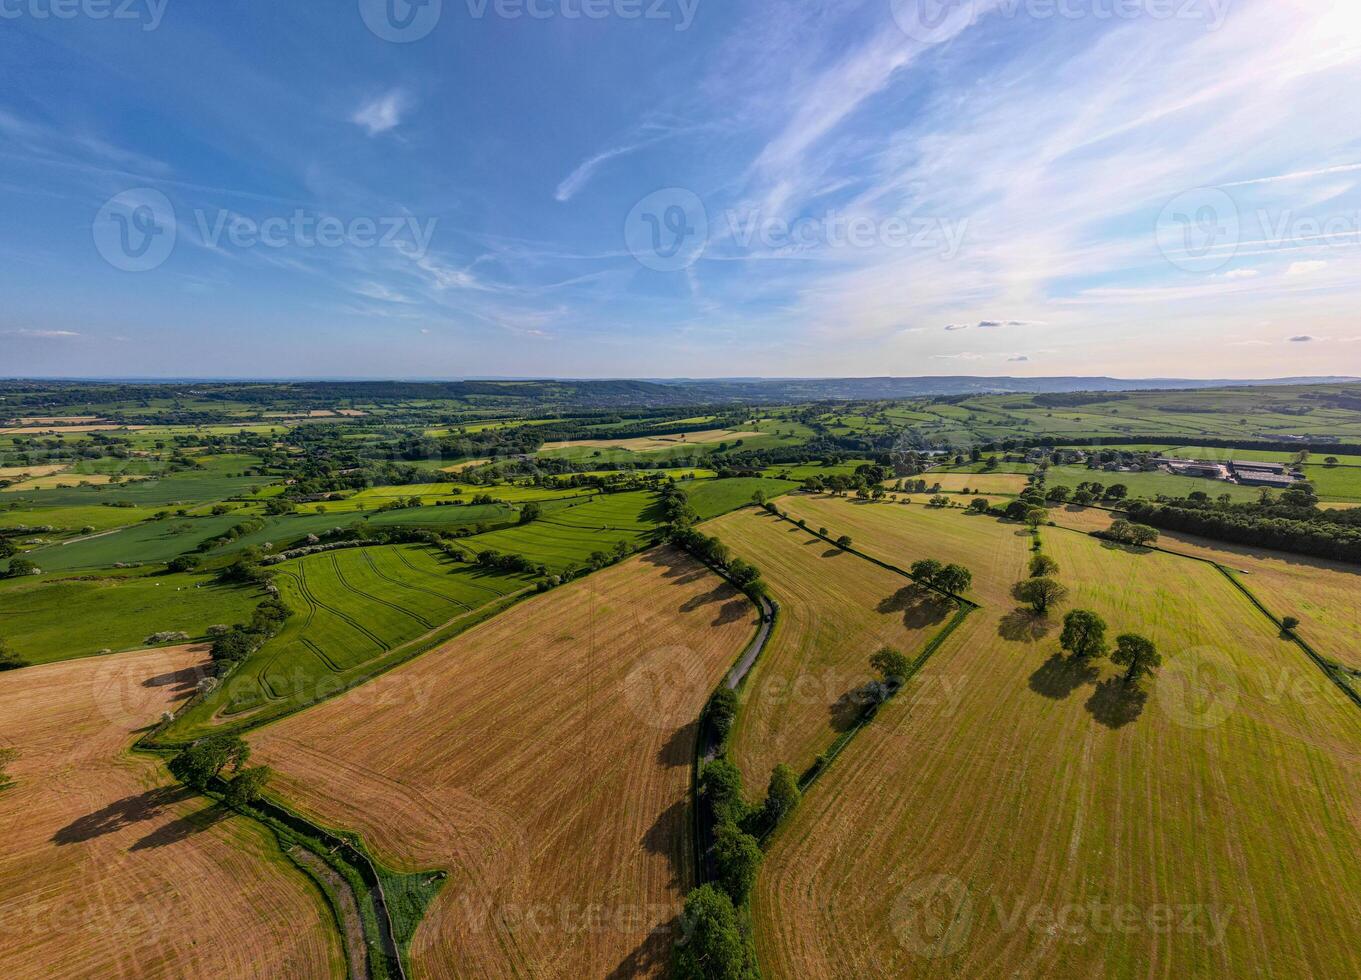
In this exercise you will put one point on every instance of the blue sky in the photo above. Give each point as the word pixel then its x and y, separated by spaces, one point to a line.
pixel 680 188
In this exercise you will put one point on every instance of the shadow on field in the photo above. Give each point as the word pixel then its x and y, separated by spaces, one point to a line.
pixel 667 837
pixel 920 607
pixel 845 713
pixel 679 749
pixel 682 570
pixel 833 553
pixel 718 593
pixel 653 955
pixel 1128 549
pixel 120 814
pixel 1060 676
pixel 180 681
pixel 1023 626
pixel 1116 704
pixel 183 828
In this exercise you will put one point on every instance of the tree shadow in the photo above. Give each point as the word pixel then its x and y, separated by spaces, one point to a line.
pixel 1116 704
pixel 183 828
pixel 181 681
pixel 1060 676
pixel 833 553
pixel 733 611
pixel 678 566
pixel 845 712
pixel 718 593
pixel 652 957
pixel 1024 626
pixel 120 814
pixel 680 747
pixel 667 837
pixel 920 606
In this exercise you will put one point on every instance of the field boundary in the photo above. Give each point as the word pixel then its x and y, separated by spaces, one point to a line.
pixel 1331 670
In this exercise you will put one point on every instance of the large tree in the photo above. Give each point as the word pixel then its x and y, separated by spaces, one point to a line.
pixel 1084 634
pixel 711 947
pixel 893 667
pixel 1137 654
pixel 206 758
pixel 248 785
pixel 737 855
pixel 954 579
pixel 1042 566
pixel 1041 593
pixel 782 796
pixel 926 570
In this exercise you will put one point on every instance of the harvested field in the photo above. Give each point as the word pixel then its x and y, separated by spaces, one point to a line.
pixel 111 869
pixel 47 469
pixel 1048 822
pixel 836 610
pixel 982 483
pixel 499 757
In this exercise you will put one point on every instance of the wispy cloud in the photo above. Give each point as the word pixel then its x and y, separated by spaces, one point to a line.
pixel 41 334
pixel 378 115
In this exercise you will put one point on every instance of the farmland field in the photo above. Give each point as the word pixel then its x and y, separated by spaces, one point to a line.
pixel 836 610
pixel 711 498
pixel 112 869
pixel 60 619
pixel 646 444
pixel 997 483
pixel 352 608
pixel 496 758
pixel 1150 484
pixel 565 539
pixel 1154 808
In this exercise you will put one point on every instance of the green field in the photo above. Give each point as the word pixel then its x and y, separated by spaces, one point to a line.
pixel 47 620
pixel 352 609
pixel 715 497
pixel 142 544
pixel 1149 484
pixel 565 539
pixel 1339 483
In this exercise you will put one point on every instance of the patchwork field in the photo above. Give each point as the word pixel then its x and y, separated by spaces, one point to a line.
pixel 1000 483
pixel 1044 822
pixel 1150 484
pixel 711 498
pixel 352 608
pixel 497 757
pixel 645 444
pixel 566 538
pixel 1324 595
pixel 111 870
pixel 47 620
pixel 836 610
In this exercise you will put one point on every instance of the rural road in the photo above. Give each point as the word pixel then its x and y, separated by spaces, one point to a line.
pixel 743 666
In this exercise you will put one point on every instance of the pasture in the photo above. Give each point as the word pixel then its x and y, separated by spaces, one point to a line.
pixel 565 539
pixel 710 498
pixel 498 758
pixel 905 859
pixel 647 444
pixel 150 542
pixel 1150 484
pixel 118 872
pixel 59 619
pixel 353 609
pixel 836 611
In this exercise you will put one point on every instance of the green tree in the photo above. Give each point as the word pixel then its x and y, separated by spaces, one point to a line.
pixel 248 785
pixel 530 513
pixel 1042 566
pixel 723 711
pixel 711 946
pixel 954 579
pixel 1041 594
pixel 1141 535
pixel 9 660
pixel 844 541
pixel 720 786
pixel 979 505
pixel 1084 634
pixel 737 855
pixel 1290 623
pixel 782 796
pixel 893 667
pixel 926 571
pixel 182 563
pixel 21 567
pixel 1137 654
pixel 206 758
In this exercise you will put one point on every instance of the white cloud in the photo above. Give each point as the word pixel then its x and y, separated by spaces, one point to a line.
pixel 42 334
pixel 383 113
pixel 1306 268
pixel 1242 274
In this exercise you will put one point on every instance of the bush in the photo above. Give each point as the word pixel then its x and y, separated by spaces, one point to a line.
pixel 183 563
pixel 723 711
pixel 711 947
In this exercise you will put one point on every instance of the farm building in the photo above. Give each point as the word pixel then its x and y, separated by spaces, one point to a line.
pixel 1277 468
pixel 1263 478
